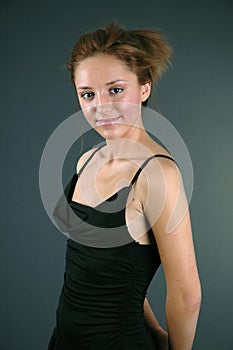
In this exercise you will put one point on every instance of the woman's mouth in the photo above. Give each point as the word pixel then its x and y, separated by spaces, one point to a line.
pixel 107 121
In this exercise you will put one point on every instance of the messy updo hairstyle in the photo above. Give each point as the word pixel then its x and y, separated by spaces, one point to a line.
pixel 144 51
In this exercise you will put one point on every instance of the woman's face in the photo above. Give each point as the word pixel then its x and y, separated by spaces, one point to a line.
pixel 110 95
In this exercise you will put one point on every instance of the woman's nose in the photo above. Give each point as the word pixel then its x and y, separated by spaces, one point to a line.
pixel 102 98
pixel 103 102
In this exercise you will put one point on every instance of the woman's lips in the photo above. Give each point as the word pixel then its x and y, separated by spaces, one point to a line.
pixel 107 121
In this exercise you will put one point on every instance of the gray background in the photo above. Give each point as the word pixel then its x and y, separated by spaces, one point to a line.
pixel 195 95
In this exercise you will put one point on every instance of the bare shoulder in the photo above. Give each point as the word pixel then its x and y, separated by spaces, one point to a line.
pixel 83 159
pixel 162 159
pixel 164 165
pixel 161 193
pixel 160 170
pixel 164 179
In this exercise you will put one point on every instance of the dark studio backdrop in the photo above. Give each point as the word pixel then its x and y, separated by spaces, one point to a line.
pixel 36 96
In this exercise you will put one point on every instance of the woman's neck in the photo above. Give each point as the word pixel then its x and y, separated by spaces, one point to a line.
pixel 127 147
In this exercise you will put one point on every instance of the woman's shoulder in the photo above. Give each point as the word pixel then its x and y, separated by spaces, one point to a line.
pixel 161 164
pixel 83 158
pixel 159 170
pixel 159 155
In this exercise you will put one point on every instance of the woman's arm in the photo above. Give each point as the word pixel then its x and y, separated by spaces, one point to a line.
pixel 159 334
pixel 150 318
pixel 183 287
pixel 176 251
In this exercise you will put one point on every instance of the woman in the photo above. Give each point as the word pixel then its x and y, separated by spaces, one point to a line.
pixel 125 194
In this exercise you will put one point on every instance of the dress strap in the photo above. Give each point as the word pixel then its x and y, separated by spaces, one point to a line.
pixel 145 163
pixel 88 160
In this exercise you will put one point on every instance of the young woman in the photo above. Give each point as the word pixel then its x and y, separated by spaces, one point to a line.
pixel 124 194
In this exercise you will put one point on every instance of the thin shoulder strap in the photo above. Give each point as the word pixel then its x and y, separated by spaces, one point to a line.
pixel 88 160
pixel 145 163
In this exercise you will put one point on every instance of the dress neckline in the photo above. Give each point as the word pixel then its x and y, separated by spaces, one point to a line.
pixel 77 205
pixel 77 175
pixel 109 199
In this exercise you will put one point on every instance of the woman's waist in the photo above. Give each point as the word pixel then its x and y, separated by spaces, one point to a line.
pixel 104 289
pixel 101 311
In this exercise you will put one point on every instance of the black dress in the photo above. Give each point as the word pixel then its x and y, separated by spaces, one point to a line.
pixel 101 302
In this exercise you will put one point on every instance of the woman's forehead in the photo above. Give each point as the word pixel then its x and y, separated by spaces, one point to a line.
pixel 104 68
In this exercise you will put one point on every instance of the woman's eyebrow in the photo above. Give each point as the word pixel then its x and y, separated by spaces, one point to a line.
pixel 84 88
pixel 115 81
pixel 107 84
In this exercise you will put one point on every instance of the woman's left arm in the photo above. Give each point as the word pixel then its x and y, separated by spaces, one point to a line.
pixel 167 211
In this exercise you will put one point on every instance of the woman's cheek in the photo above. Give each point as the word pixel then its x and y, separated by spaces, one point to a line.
pixel 130 112
pixel 88 113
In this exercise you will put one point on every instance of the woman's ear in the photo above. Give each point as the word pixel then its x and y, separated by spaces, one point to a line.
pixel 145 91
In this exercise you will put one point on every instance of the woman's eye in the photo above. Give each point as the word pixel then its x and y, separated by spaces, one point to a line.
pixel 87 95
pixel 116 90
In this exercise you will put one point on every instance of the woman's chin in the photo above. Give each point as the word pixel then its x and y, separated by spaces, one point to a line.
pixel 112 131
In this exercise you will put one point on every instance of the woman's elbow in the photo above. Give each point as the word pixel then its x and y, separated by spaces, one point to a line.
pixel 192 299
pixel 188 299
pixel 193 303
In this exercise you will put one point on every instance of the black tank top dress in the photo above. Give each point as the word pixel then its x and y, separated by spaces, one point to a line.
pixel 101 302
